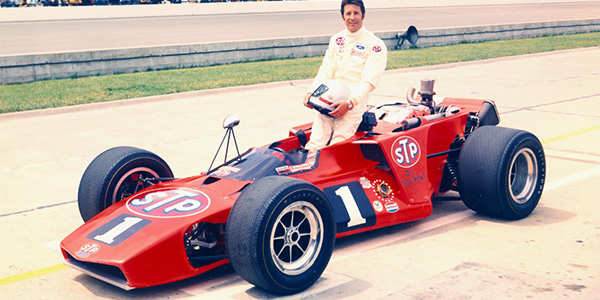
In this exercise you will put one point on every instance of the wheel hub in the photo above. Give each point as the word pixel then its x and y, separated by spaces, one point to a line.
pixel 296 238
pixel 292 235
pixel 523 175
pixel 130 183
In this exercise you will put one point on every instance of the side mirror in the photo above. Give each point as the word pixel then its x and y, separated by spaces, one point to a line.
pixel 411 34
pixel 231 121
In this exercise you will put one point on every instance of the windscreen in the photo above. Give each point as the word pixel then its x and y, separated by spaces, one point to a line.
pixel 256 164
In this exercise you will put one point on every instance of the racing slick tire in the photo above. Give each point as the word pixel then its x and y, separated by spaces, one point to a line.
pixel 114 175
pixel 501 172
pixel 280 234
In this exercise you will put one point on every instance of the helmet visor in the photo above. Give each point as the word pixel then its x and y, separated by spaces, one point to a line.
pixel 320 90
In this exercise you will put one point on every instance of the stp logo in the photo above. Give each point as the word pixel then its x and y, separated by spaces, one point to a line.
pixel 340 41
pixel 87 249
pixel 169 203
pixel 406 151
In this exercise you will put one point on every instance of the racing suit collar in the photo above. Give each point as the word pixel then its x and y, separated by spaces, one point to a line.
pixel 357 34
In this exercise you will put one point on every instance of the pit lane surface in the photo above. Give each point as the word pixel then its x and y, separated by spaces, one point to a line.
pixel 20 38
pixel 454 254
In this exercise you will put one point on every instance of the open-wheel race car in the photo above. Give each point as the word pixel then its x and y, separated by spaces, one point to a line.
pixel 274 212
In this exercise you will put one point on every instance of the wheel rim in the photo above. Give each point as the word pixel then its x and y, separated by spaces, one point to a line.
pixel 296 238
pixel 130 184
pixel 523 175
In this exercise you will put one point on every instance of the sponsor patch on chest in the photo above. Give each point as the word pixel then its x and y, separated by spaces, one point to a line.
pixel 358 51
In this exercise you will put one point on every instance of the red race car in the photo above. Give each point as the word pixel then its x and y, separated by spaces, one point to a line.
pixel 274 212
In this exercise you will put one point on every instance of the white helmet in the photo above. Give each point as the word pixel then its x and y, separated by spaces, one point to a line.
pixel 327 94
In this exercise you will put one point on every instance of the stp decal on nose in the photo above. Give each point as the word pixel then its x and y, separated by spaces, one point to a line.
pixel 87 249
pixel 169 203
pixel 406 151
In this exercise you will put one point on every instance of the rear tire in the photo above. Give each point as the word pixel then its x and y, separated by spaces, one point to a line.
pixel 280 234
pixel 501 172
pixel 113 176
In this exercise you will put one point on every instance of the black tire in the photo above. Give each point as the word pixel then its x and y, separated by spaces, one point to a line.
pixel 501 172
pixel 113 176
pixel 265 253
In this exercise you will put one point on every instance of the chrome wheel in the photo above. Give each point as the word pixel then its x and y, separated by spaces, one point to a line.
pixel 523 175
pixel 116 174
pixel 130 183
pixel 296 238
pixel 280 234
pixel 502 172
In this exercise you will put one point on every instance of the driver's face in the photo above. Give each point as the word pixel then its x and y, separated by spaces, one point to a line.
pixel 353 17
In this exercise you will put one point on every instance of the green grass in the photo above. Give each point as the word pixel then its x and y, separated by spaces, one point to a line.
pixel 64 92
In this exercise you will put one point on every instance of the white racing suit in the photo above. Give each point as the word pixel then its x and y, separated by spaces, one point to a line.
pixel 358 59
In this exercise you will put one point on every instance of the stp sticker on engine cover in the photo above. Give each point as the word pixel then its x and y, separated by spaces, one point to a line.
pixel 406 151
pixel 169 203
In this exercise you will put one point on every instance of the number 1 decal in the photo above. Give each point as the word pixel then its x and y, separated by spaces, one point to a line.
pixel 109 236
pixel 351 206
pixel 118 229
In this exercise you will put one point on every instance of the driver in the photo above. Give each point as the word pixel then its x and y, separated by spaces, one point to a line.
pixel 356 57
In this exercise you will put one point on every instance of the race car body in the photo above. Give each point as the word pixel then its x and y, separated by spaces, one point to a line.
pixel 140 242
pixel 274 211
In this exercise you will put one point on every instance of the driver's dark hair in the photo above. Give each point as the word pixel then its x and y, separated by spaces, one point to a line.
pixel 355 2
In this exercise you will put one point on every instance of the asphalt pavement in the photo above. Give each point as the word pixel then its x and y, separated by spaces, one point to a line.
pixel 454 254
pixel 101 28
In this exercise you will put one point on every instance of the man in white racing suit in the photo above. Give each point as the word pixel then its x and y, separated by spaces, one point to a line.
pixel 358 58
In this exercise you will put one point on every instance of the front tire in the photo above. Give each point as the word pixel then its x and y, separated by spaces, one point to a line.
pixel 115 175
pixel 501 172
pixel 280 234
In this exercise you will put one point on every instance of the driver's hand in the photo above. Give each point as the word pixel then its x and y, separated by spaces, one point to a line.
pixel 341 108
pixel 306 98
